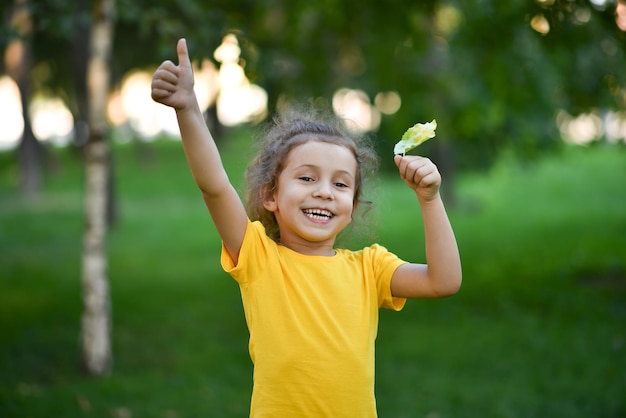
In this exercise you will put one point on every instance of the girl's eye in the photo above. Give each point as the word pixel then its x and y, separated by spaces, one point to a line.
pixel 306 178
pixel 341 185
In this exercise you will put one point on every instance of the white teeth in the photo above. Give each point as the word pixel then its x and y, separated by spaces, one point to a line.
pixel 318 214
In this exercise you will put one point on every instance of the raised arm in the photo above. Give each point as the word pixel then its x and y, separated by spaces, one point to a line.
pixel 441 275
pixel 172 85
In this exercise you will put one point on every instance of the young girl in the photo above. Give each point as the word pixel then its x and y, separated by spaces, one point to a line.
pixel 311 309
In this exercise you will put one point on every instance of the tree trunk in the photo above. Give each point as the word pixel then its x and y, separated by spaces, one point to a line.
pixel 79 56
pixel 18 58
pixel 96 320
pixel 80 109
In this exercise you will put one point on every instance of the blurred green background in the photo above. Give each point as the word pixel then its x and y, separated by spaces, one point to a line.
pixel 530 100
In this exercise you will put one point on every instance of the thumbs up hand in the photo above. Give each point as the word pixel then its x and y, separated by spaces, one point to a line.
pixel 172 85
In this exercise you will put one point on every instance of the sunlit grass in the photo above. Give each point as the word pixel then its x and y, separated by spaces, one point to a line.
pixel 537 329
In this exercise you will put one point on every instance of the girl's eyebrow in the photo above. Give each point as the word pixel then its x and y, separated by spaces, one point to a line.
pixel 342 171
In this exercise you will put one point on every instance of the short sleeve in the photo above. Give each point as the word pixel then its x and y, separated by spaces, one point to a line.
pixel 254 250
pixel 384 264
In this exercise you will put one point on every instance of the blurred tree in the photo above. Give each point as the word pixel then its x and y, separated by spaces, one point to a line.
pixel 490 72
pixel 79 53
pixel 592 67
pixel 96 319
pixel 491 79
pixel 18 64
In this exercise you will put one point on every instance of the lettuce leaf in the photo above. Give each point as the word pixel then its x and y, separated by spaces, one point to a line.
pixel 414 136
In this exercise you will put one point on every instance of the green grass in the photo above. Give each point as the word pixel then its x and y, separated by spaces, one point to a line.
pixel 536 331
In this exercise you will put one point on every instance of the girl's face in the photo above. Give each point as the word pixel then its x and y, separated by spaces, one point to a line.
pixel 313 200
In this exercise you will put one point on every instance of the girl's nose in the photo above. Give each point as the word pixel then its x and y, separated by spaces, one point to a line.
pixel 323 191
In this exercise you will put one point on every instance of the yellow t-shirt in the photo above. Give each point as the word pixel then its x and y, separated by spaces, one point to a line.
pixel 313 322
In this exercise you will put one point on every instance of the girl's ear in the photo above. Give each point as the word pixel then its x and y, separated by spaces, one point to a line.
pixel 267 197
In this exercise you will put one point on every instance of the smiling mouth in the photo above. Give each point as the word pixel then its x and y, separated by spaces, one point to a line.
pixel 318 214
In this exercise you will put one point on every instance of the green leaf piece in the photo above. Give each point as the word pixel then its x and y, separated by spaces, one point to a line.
pixel 414 136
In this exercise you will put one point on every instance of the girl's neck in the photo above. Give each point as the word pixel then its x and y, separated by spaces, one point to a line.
pixel 323 249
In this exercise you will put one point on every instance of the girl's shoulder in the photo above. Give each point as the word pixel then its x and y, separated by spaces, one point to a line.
pixel 374 252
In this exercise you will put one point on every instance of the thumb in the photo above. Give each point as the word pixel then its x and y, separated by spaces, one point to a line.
pixel 183 55
pixel 397 159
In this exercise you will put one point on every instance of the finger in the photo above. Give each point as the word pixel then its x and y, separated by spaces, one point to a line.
pixel 160 94
pixel 413 164
pixel 404 165
pixel 167 67
pixel 405 169
pixel 183 55
pixel 430 179
pixel 397 159
pixel 161 82
pixel 164 77
pixel 421 176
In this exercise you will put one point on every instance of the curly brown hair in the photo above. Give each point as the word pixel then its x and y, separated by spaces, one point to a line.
pixel 287 130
